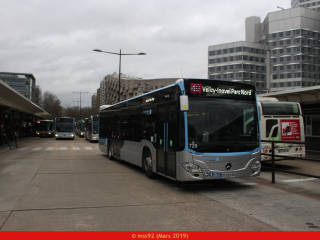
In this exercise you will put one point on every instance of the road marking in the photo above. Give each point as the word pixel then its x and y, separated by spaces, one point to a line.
pixel 88 148
pixel 76 148
pixel 298 180
pixel 249 183
pixel 63 148
pixel 22 149
pixel 50 148
pixel 36 149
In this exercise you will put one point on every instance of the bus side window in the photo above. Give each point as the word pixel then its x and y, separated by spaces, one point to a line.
pixel 269 124
pixel 275 132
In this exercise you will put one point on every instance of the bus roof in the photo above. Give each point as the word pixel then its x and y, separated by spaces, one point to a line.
pixel 267 99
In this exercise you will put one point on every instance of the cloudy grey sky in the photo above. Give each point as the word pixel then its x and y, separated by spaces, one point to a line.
pixel 54 39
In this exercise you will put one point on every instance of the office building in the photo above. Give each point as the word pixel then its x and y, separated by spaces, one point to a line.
pixel 289 43
pixel 129 87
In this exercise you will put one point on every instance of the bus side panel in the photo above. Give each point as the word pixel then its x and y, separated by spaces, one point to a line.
pixel 130 154
pixel 103 145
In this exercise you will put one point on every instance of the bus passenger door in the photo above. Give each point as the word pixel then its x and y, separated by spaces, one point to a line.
pixel 117 136
pixel 166 158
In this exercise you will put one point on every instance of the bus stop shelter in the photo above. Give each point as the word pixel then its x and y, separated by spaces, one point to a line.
pixel 17 113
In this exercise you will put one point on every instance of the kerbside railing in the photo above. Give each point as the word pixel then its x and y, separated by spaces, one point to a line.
pixel 273 155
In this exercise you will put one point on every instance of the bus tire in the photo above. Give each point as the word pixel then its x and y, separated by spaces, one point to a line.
pixel 110 154
pixel 147 165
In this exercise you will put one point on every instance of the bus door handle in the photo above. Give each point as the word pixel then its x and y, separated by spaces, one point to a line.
pixel 165 138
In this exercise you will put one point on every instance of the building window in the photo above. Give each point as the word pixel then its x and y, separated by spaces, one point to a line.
pixel 281 34
pixel 289 75
pixel 281 51
pixel 211 53
pixel 288 50
pixel 288 67
pixel 274 52
pixel 218 52
pixel 274 35
pixel 275 76
pixel 281 68
pixel 281 77
pixel 274 85
pixel 231 50
pixel 288 59
pixel 225 68
pixel 289 84
pixel 274 60
pixel 231 58
pixel 225 51
pixel 288 33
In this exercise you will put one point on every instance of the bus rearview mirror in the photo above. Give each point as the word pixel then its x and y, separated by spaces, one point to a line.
pixel 184 103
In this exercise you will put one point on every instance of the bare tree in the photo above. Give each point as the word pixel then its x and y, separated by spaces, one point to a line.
pixel 71 112
pixel 51 104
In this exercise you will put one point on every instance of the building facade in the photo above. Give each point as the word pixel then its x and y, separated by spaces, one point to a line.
pixel 289 43
pixel 129 87
pixel 312 4
pixel 23 83
pixel 239 61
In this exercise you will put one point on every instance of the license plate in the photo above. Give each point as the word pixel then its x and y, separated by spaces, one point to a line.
pixel 228 175
pixel 283 150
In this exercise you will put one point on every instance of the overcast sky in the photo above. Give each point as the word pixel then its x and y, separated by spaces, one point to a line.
pixel 54 40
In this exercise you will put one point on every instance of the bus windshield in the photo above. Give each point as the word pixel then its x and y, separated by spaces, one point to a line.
pixel 64 126
pixel 222 125
pixel 95 125
pixel 44 126
pixel 280 108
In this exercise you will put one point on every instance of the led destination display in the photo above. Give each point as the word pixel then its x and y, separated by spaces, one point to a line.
pixel 230 90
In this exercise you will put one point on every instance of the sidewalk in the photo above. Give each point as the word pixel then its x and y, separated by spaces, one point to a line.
pixel 5 147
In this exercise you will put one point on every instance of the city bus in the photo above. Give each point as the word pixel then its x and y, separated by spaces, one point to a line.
pixel 281 121
pixel 64 128
pixel 44 128
pixel 92 128
pixel 79 128
pixel 194 129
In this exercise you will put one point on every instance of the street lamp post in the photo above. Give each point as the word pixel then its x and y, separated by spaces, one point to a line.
pixel 120 54
pixel 80 101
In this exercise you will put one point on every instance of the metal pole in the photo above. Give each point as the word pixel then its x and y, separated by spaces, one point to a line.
pixel 119 76
pixel 272 167
pixel 80 106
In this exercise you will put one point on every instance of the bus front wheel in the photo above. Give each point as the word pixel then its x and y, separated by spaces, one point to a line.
pixel 147 165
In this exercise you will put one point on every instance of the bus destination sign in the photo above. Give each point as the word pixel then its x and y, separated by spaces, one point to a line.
pixel 201 88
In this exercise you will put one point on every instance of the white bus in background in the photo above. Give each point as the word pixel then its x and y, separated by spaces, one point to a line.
pixel 281 121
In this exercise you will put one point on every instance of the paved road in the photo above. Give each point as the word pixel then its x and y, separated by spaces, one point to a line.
pixel 71 186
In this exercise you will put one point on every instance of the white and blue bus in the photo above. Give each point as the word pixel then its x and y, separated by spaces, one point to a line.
pixel 64 128
pixel 195 129
pixel 92 128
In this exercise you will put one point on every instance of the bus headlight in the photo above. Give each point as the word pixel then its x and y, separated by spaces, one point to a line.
pixel 190 167
pixel 256 166
pixel 57 135
pixel 72 135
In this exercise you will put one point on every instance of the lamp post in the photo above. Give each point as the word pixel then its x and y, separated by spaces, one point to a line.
pixel 120 54
pixel 80 101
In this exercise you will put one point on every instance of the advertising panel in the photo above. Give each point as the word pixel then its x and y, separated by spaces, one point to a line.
pixel 290 130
